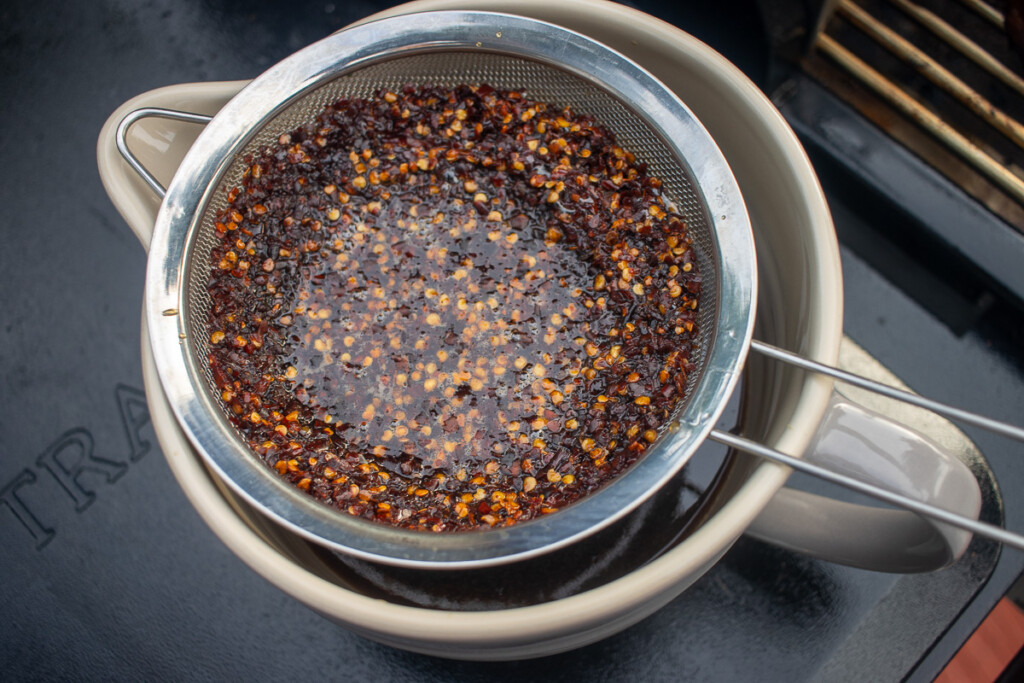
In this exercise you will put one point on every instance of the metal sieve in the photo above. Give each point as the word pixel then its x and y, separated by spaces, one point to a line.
pixel 550 64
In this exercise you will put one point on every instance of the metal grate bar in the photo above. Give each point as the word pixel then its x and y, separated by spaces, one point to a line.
pixel 965 45
pixel 934 72
pixel 986 10
pixel 924 117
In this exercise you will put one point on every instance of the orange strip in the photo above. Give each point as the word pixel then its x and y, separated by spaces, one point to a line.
pixel 991 648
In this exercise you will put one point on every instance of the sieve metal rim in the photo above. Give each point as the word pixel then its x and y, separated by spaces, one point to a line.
pixel 199 174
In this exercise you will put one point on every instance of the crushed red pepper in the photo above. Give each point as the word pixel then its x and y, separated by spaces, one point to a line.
pixel 450 308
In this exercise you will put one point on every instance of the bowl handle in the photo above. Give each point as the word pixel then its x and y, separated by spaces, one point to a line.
pixel 859 442
pixel 153 145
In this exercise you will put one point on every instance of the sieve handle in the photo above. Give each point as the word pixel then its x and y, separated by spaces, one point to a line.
pixel 935 512
pixel 873 530
pixel 874 455
pixel 144 113
pixel 958 414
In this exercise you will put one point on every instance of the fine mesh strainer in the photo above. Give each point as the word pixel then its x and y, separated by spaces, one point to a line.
pixel 449 48
pixel 550 64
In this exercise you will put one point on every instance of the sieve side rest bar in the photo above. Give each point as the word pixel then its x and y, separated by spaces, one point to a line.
pixel 972 525
pixel 121 139
pixel 951 412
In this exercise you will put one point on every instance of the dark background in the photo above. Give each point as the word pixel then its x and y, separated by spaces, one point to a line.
pixel 116 577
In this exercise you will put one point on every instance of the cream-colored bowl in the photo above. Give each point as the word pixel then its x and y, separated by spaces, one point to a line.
pixel 800 308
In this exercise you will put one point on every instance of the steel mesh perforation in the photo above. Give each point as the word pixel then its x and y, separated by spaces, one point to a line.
pixel 539 82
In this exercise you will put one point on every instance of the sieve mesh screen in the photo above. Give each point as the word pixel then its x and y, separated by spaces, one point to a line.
pixel 539 82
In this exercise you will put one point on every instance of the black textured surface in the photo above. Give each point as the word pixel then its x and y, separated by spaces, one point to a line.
pixel 107 573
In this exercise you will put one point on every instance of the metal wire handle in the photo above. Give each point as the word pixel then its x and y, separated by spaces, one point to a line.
pixel 948 411
pixel 991 531
pixel 151 112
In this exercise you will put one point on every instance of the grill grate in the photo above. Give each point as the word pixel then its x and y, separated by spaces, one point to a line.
pixel 941 78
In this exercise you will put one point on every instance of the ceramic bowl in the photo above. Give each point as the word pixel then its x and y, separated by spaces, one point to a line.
pixel 800 308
